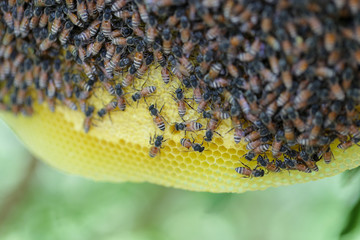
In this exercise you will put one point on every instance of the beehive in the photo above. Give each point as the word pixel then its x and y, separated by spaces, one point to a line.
pixel 117 149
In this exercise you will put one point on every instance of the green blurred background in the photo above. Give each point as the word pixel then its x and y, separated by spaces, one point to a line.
pixel 59 206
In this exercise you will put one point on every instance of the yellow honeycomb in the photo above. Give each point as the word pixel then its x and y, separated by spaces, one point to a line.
pixel 117 148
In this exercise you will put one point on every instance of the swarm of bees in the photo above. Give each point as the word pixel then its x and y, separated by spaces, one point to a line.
pixel 285 72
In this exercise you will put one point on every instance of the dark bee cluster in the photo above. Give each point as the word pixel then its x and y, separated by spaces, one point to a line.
pixel 285 72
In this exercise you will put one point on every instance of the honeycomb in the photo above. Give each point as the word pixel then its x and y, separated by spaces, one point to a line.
pixel 116 149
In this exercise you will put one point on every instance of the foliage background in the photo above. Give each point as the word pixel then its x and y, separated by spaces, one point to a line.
pixel 59 206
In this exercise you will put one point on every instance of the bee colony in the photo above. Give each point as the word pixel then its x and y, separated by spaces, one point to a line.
pixel 284 74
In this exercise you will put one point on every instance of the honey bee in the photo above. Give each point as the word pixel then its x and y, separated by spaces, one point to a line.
pixel 315 25
pixel 151 31
pixel 179 98
pixel 304 156
pixel 138 58
pixel 158 119
pixel 166 36
pixel 46 44
pixel 117 5
pixel 157 143
pixel 184 29
pixel 277 144
pixel 95 49
pixel 72 17
pixel 317 123
pixel 107 109
pixel 88 118
pixel 336 89
pixel 121 101
pixel 109 88
pixel 135 19
pixel 188 126
pixel 288 130
pixel 295 118
pixel 328 155
pixel 129 78
pixel 106 24
pixel 265 162
pixel 143 93
pixel 185 142
pixel 247 172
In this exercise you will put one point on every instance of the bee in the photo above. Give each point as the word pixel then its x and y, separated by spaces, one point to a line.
pixel 46 44
pixel 88 118
pixel 142 10
pixel 106 23
pixel 264 162
pixel 44 74
pixel 95 48
pixel 197 147
pixel 210 129
pixel 220 83
pixel 88 71
pixel 304 156
pixel 113 61
pixel 185 142
pixel 336 89
pixel 56 25
pixel 82 12
pixel 188 126
pixel 109 88
pixel 233 70
pixel 142 70
pixel 328 155
pixel 165 75
pixel 252 136
pixel 65 33
pixel 138 58
pixel 293 164
pixel 315 25
pixel 69 103
pixel 72 17
pixel 300 67
pixel 135 19
pixel 25 22
pixel 166 37
pixel 117 5
pixel 158 119
pixel 212 33
pixel 179 98
pixel 295 118
pixel 245 57
pixel 57 74
pixel 100 5
pixel 247 172
pixel 244 105
pixel 107 109
pixel 123 14
pixel 275 44
pixel 317 123
pixel 143 93
pixel 129 78
pixel 9 20
pixel 184 29
pixel 267 121
pixel 277 144
pixel 204 102
pixel 121 101
pixel 160 57
pixel 157 143
pixel 151 31
pixel 288 130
